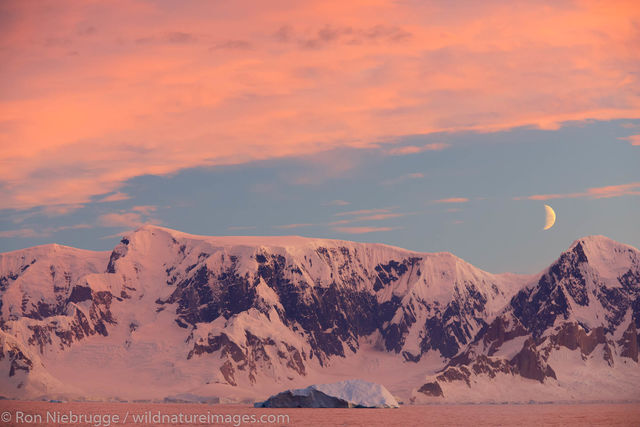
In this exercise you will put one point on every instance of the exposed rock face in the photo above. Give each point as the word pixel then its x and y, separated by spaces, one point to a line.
pixel 451 374
pixel 431 389
pixel 529 364
pixel 629 343
pixel 502 329
pixel 310 399
pixel 573 336
pixel 345 305
pixel 44 296
pixel 457 323
pixel 254 355
pixel 14 355
pixel 80 322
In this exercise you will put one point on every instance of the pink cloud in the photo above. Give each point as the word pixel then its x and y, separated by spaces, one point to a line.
pixel 145 209
pixel 20 233
pixel 337 203
pixel 452 200
pixel 117 235
pixel 69 227
pixel 45 232
pixel 48 211
pixel 412 149
pixel 363 212
pixel 59 210
pixel 342 222
pixel 363 230
pixel 633 139
pixel 631 189
pixel 366 215
pixel 290 226
pixel 380 217
pixel 115 197
pixel 128 219
pixel 97 94
pixel 403 178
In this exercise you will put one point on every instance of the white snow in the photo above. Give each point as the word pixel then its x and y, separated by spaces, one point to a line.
pixel 360 392
pixel 510 348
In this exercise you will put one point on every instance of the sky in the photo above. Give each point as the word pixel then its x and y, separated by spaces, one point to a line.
pixel 429 125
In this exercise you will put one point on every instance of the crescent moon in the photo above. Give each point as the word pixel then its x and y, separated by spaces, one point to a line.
pixel 550 217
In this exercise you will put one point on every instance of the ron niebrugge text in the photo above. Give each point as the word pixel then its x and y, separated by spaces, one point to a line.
pixel 147 417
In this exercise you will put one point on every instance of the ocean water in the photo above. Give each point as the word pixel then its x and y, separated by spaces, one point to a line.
pixel 110 414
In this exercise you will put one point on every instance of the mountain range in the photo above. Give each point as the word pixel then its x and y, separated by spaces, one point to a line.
pixel 171 316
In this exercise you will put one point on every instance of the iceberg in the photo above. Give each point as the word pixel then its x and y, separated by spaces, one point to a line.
pixel 343 394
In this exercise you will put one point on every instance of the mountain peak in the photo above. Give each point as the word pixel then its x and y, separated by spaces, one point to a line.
pixel 603 251
pixel 286 241
pixel 599 242
pixel 51 249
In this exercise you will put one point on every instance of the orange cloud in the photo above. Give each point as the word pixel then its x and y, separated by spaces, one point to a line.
pixel 631 189
pixel 93 94
pixel 452 200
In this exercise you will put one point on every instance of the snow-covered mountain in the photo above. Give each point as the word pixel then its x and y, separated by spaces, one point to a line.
pixel 170 314
pixel 573 330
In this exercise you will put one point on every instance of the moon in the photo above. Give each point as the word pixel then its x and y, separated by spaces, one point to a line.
pixel 550 217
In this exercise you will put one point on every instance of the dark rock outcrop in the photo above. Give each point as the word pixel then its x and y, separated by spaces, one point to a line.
pixel 18 361
pixel 574 336
pixel 431 389
pixel 529 364
pixel 629 343
pixel 314 399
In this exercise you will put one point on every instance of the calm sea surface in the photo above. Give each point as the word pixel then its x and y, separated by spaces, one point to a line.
pixel 110 414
